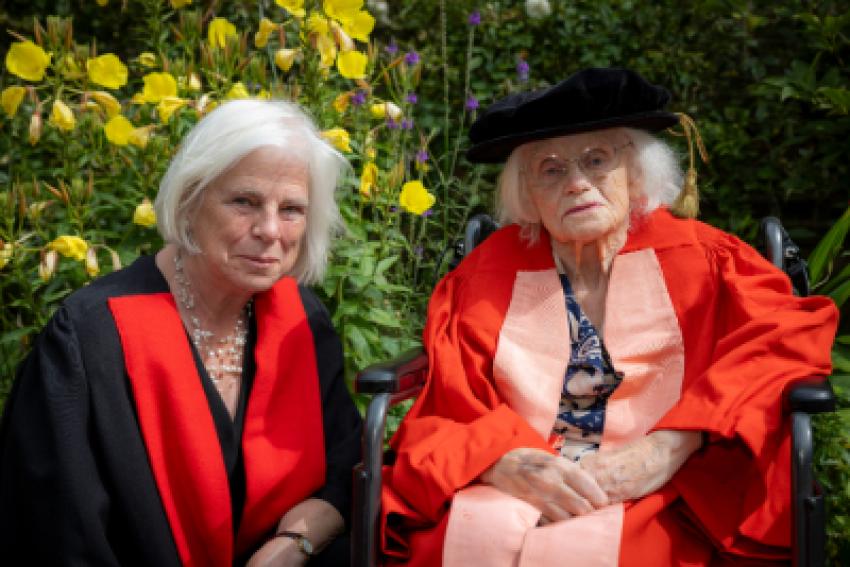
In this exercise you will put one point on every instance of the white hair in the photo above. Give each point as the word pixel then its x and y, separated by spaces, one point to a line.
pixel 223 138
pixel 655 179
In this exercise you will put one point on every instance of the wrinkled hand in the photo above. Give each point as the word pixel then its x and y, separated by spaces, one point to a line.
pixel 278 552
pixel 557 487
pixel 643 466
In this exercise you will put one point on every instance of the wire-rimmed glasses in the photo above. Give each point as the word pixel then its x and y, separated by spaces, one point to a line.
pixel 552 170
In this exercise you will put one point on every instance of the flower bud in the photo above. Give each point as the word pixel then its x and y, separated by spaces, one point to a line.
pixel 47 266
pixel 92 267
pixel 36 127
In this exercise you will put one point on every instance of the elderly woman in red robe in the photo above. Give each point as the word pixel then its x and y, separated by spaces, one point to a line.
pixel 605 376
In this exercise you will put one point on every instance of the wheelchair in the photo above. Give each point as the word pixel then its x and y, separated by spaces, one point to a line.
pixel 394 381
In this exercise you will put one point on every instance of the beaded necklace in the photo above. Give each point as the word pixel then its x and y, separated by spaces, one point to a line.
pixel 223 356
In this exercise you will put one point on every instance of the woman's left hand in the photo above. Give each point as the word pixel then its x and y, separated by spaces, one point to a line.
pixel 278 552
pixel 642 466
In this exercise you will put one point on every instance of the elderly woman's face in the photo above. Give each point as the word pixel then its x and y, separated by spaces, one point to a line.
pixel 251 220
pixel 579 184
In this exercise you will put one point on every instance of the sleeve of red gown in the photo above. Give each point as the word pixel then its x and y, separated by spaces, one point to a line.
pixel 458 426
pixel 765 339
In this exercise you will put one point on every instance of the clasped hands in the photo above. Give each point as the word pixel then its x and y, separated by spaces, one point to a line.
pixel 560 488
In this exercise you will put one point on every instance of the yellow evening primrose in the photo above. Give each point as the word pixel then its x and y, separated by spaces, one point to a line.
pixel 219 31
pixel 359 26
pixel 177 4
pixel 47 266
pixel 69 69
pixel 70 247
pixel 139 136
pixel 327 50
pixel 352 64
pixel 344 42
pixel 342 101
pixel 385 110
pixel 238 90
pixel 102 3
pixel 339 138
pixel 168 106
pixel 147 59
pixel 118 130
pixel 267 27
pixel 263 94
pixel 414 198
pixel 294 7
pixel 317 23
pixel 107 102
pixel 368 179
pixel 341 9
pixel 144 214
pixel 284 58
pixel 10 99
pixel 107 71
pixel 158 86
pixel 6 254
pixel 92 267
pixel 62 117
pixel 27 60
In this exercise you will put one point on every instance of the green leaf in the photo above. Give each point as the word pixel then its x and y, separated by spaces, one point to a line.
pixel 826 250
pixel 383 318
pixel 840 294
pixel 840 361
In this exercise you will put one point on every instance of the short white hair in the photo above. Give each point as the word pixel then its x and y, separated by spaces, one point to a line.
pixel 228 134
pixel 655 179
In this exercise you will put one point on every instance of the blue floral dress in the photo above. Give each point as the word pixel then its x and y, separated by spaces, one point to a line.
pixel 589 381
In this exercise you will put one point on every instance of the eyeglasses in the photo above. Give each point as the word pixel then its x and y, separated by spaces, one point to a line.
pixel 552 170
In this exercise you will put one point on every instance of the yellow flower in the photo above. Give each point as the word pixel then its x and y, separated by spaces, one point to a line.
pixel 341 102
pixel 339 138
pixel 147 59
pixel 5 254
pixel 118 130
pixel 368 179
pixel 107 71
pixel 158 86
pixel 139 136
pixel 92 268
pixel 317 23
pixel 107 102
pixel 168 106
pixel 284 58
pixel 36 126
pixel 62 117
pixel 414 198
pixel 102 3
pixel 344 42
pixel 238 90
pixel 359 26
pixel 327 49
pixel 193 82
pixel 341 9
pixel 69 68
pixel 294 7
pixel 385 110
pixel 352 64
pixel 70 247
pixel 219 32
pixel 263 94
pixel 10 99
pixel 27 60
pixel 177 4
pixel 47 266
pixel 144 214
pixel 267 27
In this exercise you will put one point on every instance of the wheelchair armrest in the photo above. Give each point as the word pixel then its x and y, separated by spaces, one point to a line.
pixel 400 376
pixel 813 396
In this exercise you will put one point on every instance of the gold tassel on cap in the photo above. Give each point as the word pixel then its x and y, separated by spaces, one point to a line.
pixel 686 204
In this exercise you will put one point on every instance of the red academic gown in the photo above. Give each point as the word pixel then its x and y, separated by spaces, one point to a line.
pixel 745 338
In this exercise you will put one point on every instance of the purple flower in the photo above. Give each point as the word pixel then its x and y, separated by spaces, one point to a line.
pixel 418 250
pixel 474 18
pixel 522 70
pixel 428 213
pixel 392 48
pixel 393 209
pixel 358 98
pixel 471 103
pixel 392 124
pixel 411 58
pixel 422 156
pixel 407 124
pixel 411 98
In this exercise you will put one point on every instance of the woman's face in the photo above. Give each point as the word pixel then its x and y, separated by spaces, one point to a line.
pixel 251 221
pixel 578 184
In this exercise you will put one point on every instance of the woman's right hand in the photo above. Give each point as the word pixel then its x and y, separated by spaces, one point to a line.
pixel 554 485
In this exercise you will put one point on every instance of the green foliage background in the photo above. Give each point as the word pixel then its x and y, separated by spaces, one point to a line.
pixel 767 82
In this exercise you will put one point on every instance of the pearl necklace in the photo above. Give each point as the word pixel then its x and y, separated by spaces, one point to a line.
pixel 224 357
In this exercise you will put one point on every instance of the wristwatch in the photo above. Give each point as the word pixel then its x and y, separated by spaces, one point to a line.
pixel 301 541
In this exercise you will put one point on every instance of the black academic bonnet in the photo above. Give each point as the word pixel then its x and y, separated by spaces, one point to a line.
pixel 591 99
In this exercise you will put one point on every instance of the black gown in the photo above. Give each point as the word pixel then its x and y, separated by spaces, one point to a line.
pixel 78 485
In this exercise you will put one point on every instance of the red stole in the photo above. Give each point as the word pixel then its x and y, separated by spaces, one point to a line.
pixel 282 441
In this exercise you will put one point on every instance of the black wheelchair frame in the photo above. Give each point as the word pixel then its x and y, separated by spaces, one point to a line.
pixel 403 378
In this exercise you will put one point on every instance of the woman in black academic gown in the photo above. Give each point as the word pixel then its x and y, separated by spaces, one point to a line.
pixel 191 408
